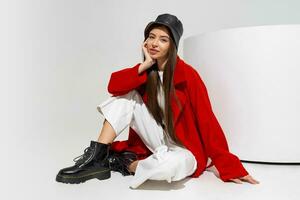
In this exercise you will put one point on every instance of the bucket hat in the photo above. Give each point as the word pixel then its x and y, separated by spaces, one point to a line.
pixel 171 22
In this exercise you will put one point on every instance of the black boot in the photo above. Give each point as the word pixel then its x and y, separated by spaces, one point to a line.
pixel 92 164
pixel 120 161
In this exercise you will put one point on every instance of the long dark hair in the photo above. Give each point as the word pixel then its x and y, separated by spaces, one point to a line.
pixel 153 87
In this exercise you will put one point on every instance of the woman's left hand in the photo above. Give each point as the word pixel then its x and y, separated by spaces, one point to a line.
pixel 247 178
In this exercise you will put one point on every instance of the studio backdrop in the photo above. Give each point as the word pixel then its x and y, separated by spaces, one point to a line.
pixel 252 76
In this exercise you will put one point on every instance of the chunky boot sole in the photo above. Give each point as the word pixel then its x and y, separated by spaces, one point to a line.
pixel 76 179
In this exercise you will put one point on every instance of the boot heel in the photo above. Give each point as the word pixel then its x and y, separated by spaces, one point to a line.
pixel 104 176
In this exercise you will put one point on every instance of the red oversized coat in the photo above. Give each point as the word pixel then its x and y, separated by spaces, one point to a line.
pixel 195 124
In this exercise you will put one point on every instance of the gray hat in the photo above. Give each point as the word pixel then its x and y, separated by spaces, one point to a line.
pixel 172 22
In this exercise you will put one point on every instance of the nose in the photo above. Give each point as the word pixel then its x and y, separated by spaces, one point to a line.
pixel 154 42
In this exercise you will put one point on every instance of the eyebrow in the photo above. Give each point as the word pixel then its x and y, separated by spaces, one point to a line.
pixel 160 36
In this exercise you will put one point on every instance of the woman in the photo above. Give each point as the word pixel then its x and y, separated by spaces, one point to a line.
pixel 170 136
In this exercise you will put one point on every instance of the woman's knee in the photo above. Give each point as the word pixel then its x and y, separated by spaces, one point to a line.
pixel 185 158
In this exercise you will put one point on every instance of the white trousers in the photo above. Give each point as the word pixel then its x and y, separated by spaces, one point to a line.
pixel 168 161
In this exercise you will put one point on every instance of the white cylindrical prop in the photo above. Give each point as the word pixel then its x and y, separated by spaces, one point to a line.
pixel 253 79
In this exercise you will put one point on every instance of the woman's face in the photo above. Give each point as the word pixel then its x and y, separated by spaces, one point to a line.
pixel 158 43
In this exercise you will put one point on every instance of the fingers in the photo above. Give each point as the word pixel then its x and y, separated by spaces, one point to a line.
pixel 247 178
pixel 145 43
pixel 148 57
pixel 144 47
pixel 236 180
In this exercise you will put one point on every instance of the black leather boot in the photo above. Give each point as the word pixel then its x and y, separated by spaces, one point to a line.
pixel 92 164
pixel 120 161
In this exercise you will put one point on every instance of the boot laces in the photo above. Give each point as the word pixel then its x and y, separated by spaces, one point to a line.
pixel 80 159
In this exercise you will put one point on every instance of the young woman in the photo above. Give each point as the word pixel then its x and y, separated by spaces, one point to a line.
pixel 173 132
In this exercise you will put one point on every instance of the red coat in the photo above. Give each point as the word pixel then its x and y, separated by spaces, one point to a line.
pixel 195 125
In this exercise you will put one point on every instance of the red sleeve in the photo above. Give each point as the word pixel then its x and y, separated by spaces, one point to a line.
pixel 125 80
pixel 211 133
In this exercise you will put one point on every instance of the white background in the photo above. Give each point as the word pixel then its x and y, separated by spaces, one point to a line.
pixel 56 60
pixel 252 77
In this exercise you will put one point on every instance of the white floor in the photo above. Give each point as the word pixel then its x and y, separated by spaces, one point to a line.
pixel 35 169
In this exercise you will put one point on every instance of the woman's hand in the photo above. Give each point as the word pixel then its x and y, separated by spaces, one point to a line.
pixel 247 178
pixel 149 61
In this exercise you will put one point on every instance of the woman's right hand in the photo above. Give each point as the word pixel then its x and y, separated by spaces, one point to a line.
pixel 148 61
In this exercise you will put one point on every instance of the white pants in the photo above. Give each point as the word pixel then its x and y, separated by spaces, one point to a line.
pixel 168 161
